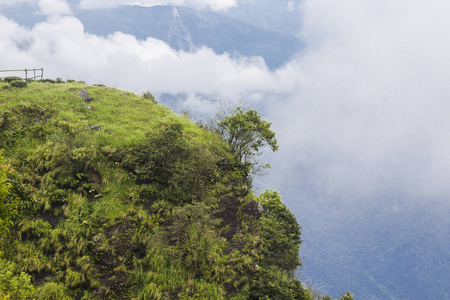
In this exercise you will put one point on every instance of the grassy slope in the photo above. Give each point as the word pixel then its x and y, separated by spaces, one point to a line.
pixel 147 207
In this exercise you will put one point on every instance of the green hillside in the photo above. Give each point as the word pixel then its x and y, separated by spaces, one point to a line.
pixel 107 195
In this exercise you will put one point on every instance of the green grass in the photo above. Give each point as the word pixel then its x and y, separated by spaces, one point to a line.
pixel 128 211
pixel 125 118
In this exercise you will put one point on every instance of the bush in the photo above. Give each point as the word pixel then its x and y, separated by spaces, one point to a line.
pixel 51 291
pixel 47 80
pixel 18 84
pixel 273 284
pixel 149 96
pixel 158 159
pixel 280 233
pixel 14 285
pixel 12 78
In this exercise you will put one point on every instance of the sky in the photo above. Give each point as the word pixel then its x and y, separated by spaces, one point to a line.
pixel 364 107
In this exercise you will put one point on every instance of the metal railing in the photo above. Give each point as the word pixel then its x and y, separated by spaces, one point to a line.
pixel 30 74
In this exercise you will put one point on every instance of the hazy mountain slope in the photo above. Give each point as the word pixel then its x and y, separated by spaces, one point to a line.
pixel 386 247
pixel 282 15
pixel 187 29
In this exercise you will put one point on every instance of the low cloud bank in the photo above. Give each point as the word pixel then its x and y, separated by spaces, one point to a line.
pixel 370 112
pixel 363 108
pixel 65 50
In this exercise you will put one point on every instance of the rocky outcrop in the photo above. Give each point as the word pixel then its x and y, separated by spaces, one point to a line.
pixel 85 95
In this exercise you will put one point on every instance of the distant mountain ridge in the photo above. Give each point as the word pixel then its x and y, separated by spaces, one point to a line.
pixel 180 27
pixel 187 29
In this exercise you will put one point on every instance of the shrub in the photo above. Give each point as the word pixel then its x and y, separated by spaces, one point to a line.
pixel 12 78
pixel 18 84
pixel 47 80
pixel 149 96
pixel 14 285
pixel 271 283
pixel 280 233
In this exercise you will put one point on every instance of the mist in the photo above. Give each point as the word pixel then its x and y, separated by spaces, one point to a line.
pixel 369 111
pixel 361 109
pixel 361 113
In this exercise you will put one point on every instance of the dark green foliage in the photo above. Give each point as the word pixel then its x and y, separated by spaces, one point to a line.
pixel 159 158
pixel 272 284
pixel 149 96
pixel 23 122
pixel 64 161
pixel 48 80
pixel 246 133
pixel 18 83
pixel 280 233
pixel 198 244
pixel 16 201
pixel 149 207
pixel 7 209
pixel 14 285
pixel 12 78
pixel 21 195
pixel 177 167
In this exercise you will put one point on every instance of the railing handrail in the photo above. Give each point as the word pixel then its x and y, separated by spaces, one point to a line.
pixel 26 73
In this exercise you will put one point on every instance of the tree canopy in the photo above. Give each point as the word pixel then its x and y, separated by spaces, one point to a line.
pixel 246 133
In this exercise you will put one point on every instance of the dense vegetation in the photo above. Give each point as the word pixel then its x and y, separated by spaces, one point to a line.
pixel 107 195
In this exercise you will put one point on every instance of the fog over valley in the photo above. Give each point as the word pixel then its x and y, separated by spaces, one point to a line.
pixel 361 114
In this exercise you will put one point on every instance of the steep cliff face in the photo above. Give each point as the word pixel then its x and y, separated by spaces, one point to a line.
pixel 133 202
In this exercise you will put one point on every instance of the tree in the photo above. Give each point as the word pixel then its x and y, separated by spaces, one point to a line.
pixel 280 233
pixel 246 133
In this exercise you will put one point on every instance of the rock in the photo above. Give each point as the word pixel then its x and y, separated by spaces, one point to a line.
pixel 253 208
pixel 85 95
pixel 95 127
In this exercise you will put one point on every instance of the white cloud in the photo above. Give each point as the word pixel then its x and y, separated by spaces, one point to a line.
pixel 53 8
pixel 197 4
pixel 371 108
pixel 363 108
pixel 65 50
